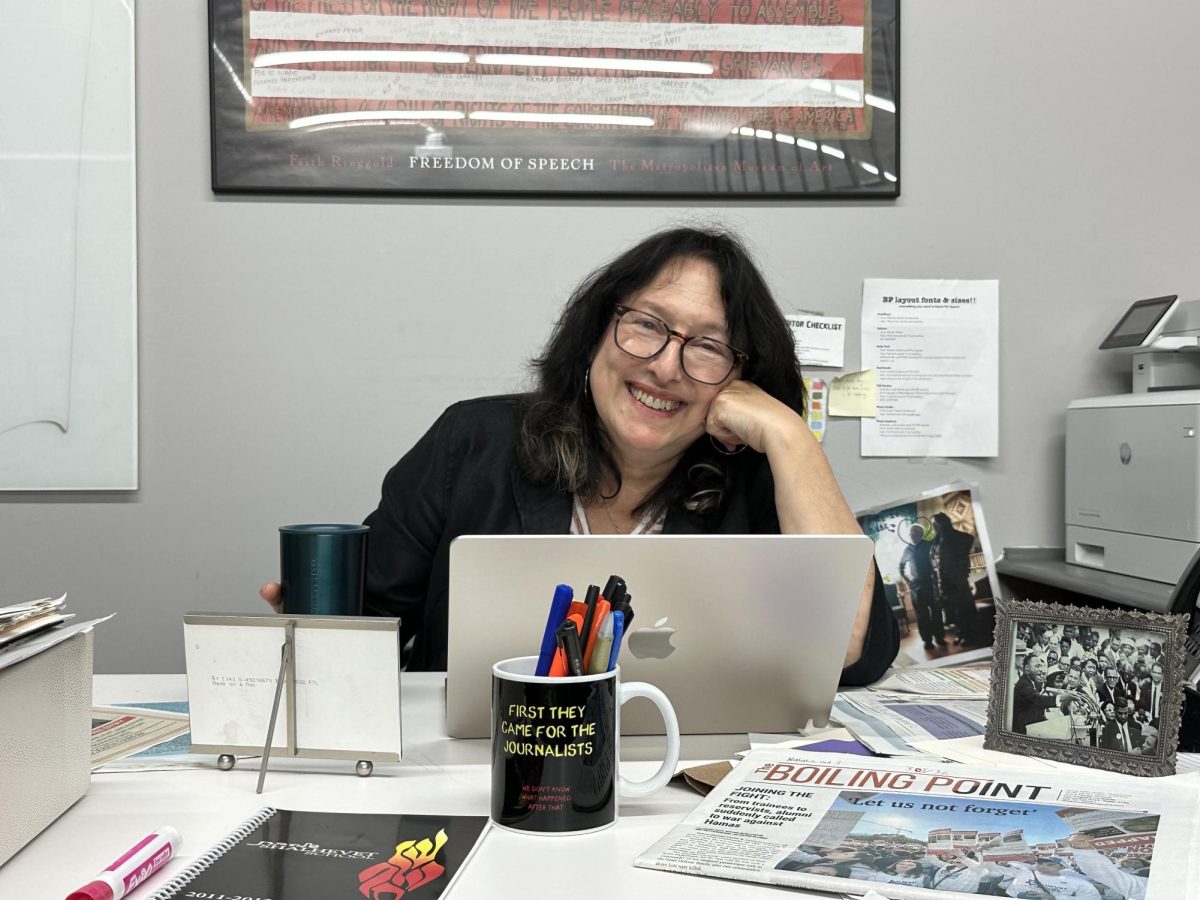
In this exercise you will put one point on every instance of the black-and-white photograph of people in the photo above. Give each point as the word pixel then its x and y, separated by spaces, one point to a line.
pixel 1094 686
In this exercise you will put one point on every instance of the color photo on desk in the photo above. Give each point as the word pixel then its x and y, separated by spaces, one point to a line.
pixel 933 555
pixel 984 847
pixel 1094 687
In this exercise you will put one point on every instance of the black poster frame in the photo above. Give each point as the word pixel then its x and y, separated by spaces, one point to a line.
pixel 385 146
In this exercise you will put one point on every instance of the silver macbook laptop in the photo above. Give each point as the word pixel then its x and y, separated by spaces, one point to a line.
pixel 742 632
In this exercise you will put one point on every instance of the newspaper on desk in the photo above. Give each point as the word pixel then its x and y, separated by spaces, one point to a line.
pixel 119 732
pixel 911 829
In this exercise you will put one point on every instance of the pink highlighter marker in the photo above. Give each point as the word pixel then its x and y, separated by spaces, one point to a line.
pixel 145 858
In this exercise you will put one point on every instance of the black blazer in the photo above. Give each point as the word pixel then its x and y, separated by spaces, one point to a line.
pixel 463 477
pixel 1029 704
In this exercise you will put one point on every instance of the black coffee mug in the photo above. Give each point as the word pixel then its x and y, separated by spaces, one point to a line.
pixel 322 568
pixel 555 748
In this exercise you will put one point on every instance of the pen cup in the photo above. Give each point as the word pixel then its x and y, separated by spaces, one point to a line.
pixel 322 569
pixel 555 744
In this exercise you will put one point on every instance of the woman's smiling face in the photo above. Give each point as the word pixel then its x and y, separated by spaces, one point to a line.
pixel 649 409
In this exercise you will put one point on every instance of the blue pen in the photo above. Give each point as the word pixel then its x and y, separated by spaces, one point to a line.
pixel 563 594
pixel 618 620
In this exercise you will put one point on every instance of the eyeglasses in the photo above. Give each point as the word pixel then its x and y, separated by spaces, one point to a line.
pixel 704 359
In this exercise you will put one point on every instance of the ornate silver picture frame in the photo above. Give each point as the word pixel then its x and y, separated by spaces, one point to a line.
pixel 1093 687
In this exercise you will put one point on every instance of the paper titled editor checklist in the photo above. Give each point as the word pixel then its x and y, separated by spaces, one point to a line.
pixel 935 346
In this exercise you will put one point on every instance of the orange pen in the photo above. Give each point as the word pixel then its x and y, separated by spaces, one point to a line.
pixel 577 619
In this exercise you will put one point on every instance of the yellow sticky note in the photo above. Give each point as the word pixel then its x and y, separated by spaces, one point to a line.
pixel 853 394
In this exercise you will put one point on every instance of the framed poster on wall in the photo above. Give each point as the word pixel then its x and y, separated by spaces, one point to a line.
pixel 688 98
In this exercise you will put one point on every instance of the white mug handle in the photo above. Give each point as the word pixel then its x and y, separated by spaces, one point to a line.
pixel 667 770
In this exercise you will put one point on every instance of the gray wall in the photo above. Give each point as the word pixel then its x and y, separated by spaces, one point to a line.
pixel 291 349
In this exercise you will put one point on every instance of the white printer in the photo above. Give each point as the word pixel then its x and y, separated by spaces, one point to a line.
pixel 1133 460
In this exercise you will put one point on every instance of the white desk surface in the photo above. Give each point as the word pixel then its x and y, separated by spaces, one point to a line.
pixel 437 775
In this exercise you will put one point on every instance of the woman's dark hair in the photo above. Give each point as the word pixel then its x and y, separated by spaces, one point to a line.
pixel 890 867
pixel 561 441
pixel 840 870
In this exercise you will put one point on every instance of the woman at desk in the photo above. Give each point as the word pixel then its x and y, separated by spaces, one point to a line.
pixel 668 399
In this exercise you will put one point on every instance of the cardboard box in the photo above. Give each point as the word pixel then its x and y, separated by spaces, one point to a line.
pixel 45 739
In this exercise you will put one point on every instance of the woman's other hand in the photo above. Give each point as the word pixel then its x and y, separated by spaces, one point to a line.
pixel 273 594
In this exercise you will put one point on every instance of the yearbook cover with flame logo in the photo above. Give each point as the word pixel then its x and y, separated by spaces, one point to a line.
pixel 281 854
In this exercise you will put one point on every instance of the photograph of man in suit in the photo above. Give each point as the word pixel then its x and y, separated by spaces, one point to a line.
pixel 916 569
pixel 951 558
pixel 1031 698
pixel 1121 732
pixel 1111 691
pixel 1150 696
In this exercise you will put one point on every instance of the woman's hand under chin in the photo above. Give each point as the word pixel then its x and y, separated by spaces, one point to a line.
pixel 743 413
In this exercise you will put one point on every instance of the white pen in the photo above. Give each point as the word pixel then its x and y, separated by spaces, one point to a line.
pixel 138 863
pixel 603 649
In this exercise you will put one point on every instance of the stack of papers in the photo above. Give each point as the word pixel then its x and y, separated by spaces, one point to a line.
pixel 26 629
pixel 23 620
pixel 966 682
pixel 894 726
pixel 909 708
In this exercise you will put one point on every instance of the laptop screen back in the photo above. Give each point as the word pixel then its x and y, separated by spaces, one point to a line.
pixel 742 632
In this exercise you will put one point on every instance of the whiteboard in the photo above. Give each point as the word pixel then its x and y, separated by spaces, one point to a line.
pixel 347 684
pixel 68 304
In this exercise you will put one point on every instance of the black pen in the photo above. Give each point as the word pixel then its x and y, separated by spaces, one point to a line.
pixel 593 594
pixel 568 634
pixel 627 610
pixel 614 590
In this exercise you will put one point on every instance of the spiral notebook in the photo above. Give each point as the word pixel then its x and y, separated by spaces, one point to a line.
pixel 288 855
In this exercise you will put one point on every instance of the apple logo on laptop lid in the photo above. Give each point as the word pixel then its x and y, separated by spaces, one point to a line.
pixel 652 643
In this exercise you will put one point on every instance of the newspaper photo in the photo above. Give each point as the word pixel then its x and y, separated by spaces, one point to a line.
pixel 914 830
pixel 938 573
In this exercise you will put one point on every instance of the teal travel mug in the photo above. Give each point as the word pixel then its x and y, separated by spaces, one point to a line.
pixel 322 569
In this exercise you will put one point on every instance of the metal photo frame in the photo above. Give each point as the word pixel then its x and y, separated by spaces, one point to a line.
pixel 336 692
pixel 637 98
pixel 1112 723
